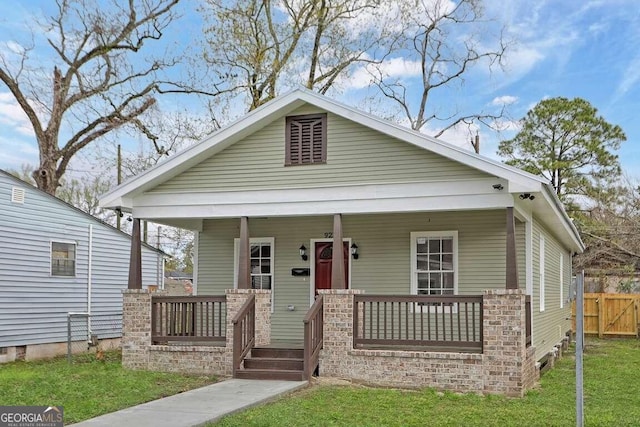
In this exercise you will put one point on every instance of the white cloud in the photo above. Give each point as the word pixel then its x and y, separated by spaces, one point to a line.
pixel 504 100
pixel 394 68
pixel 630 77
pixel 12 115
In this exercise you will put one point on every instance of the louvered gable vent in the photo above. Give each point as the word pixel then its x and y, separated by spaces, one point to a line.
pixel 17 195
pixel 306 139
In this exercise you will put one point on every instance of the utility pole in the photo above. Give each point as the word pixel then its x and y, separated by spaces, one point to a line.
pixel 119 179
pixel 476 143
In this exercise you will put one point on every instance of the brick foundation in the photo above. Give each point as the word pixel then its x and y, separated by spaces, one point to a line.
pixel 139 354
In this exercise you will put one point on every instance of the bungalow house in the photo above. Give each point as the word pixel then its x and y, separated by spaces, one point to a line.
pixel 453 272
pixel 54 260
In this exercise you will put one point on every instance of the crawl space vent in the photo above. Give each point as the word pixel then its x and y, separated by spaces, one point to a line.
pixel 17 195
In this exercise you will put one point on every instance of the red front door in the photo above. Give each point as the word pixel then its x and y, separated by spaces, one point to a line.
pixel 323 254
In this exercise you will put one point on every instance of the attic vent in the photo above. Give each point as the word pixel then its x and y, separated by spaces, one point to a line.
pixel 306 139
pixel 17 195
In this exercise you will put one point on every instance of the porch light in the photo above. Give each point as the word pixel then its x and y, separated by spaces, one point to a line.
pixel 303 253
pixel 354 251
pixel 525 196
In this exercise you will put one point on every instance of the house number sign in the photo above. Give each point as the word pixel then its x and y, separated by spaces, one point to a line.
pixel 328 235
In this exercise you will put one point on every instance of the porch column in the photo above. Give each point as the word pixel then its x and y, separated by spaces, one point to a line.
pixel 512 264
pixel 244 273
pixel 135 257
pixel 337 259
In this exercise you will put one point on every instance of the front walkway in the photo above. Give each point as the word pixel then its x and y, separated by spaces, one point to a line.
pixel 196 407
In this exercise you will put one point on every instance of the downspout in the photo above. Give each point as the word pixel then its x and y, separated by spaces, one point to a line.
pixel 89 275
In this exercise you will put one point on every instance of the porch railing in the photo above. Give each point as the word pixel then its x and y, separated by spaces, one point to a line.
pixel 313 327
pixel 446 323
pixel 244 332
pixel 527 309
pixel 188 318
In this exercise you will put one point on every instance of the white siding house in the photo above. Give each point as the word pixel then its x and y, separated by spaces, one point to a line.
pixel 56 259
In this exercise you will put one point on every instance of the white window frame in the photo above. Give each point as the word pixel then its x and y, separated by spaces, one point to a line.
pixel 236 257
pixel 561 281
pixel 415 235
pixel 542 273
pixel 75 258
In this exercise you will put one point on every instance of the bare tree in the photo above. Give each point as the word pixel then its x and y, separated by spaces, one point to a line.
pixel 97 81
pixel 258 47
pixel 444 40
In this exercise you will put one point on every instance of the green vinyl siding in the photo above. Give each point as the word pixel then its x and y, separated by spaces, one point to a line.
pixel 355 154
pixel 549 326
pixel 384 265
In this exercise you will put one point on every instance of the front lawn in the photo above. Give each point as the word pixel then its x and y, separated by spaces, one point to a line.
pixel 612 398
pixel 88 387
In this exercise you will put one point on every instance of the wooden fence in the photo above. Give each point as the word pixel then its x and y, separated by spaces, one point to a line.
pixel 609 314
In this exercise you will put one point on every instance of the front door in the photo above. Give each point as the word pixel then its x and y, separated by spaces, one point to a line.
pixel 323 255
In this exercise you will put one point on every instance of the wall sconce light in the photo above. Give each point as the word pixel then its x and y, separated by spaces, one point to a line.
pixel 525 196
pixel 119 212
pixel 303 253
pixel 498 187
pixel 354 251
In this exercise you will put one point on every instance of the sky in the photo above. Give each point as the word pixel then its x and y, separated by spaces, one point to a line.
pixel 571 48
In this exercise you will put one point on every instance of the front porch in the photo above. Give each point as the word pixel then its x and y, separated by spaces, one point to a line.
pixel 460 343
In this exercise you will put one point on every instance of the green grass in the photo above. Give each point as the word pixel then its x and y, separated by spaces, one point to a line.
pixel 88 387
pixel 612 398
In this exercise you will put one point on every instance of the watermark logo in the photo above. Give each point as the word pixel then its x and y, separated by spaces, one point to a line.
pixel 31 416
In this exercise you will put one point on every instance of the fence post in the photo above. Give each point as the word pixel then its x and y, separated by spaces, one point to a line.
pixel 68 337
pixel 601 302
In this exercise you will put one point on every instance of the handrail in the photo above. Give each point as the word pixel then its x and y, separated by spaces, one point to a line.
pixel 188 318
pixel 244 332
pixel 446 322
pixel 313 336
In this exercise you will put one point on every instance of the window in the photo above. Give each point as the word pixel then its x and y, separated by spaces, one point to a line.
pixel 63 259
pixel 306 139
pixel 261 262
pixel 542 273
pixel 434 263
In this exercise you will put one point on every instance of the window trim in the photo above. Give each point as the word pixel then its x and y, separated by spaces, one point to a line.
pixel 542 274
pixel 75 258
pixel 414 256
pixel 323 140
pixel 236 259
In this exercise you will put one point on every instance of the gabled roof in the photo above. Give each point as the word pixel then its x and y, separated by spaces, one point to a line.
pixel 518 180
pixel 28 185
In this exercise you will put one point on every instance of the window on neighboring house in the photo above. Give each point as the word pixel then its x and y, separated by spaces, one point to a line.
pixel 306 139
pixel 261 262
pixel 434 263
pixel 63 259
pixel 3 351
pixel 542 273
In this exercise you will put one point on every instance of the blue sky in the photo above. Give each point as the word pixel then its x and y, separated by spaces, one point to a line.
pixel 571 48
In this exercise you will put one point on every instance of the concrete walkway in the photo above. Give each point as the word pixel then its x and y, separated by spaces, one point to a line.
pixel 196 407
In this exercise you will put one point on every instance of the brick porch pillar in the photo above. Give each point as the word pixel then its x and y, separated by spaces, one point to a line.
pixel 136 328
pixel 338 331
pixel 235 300
pixel 508 365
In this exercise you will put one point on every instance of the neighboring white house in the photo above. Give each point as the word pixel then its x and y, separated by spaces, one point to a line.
pixel 56 259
